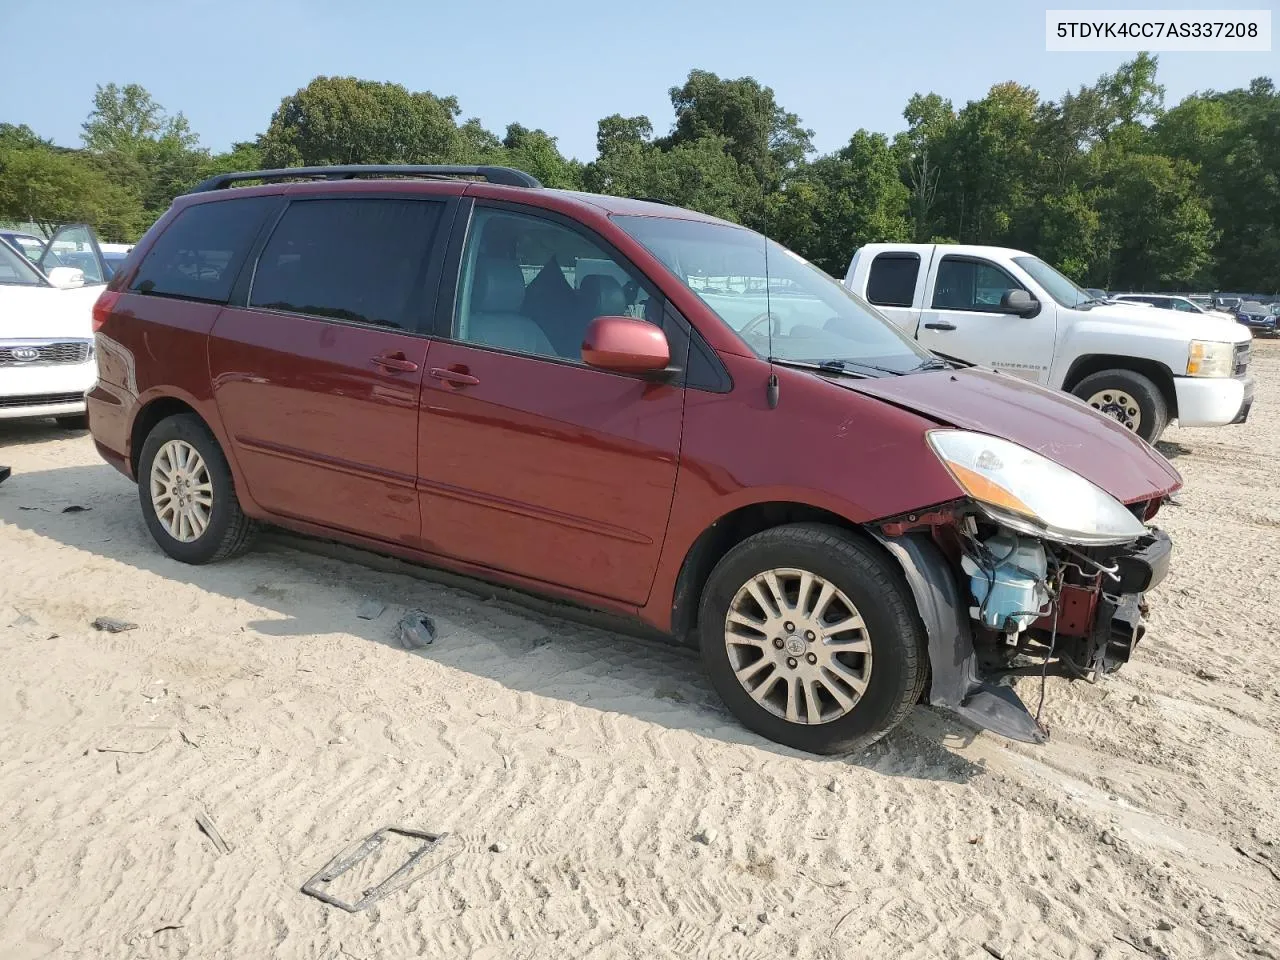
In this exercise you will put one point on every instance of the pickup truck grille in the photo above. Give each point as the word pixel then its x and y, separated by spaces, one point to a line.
pixel 1242 359
pixel 47 354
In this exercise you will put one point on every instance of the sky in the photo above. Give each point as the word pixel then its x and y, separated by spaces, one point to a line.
pixel 555 65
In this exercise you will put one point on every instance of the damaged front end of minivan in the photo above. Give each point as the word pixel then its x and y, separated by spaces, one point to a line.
pixel 1036 571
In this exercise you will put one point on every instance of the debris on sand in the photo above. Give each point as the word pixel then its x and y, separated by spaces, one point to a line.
pixel 415 630
pixel 370 609
pixel 205 823
pixel 112 625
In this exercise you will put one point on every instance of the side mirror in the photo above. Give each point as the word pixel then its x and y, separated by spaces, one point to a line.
pixel 66 277
pixel 1020 303
pixel 625 345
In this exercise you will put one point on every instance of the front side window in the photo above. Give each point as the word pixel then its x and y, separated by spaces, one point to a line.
pixel 781 305
pixel 970 285
pixel 1185 306
pixel 15 269
pixel 892 282
pixel 532 286
pixel 357 260
pixel 198 256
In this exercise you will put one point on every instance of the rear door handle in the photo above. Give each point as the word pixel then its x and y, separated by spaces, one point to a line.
pixel 395 361
pixel 940 325
pixel 455 377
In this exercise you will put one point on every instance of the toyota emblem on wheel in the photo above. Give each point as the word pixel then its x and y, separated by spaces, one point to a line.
pixel 25 353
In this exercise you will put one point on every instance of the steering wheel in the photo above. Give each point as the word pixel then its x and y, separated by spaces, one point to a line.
pixel 760 320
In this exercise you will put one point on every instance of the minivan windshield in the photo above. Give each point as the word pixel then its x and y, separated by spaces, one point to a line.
pixel 785 308
pixel 1055 284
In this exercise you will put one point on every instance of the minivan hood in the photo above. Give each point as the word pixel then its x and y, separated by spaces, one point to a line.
pixel 1193 326
pixel 1055 425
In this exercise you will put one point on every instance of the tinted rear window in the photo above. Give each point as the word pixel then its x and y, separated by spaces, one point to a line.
pixel 199 254
pixel 357 260
pixel 893 279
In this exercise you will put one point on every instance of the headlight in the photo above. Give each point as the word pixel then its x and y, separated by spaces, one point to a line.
pixel 1209 359
pixel 1032 494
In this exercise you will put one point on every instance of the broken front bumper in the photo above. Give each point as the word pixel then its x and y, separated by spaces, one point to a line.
pixel 1097 630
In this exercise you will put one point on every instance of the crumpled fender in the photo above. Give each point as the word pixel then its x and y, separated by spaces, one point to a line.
pixel 955 684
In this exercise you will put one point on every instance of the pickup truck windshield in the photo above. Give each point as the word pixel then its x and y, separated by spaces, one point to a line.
pixel 1054 283
pixel 780 304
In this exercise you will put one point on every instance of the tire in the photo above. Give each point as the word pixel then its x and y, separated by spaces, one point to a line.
pixel 893 673
pixel 1105 390
pixel 227 530
pixel 78 421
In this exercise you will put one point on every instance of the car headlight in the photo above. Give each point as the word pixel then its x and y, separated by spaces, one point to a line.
pixel 1030 493
pixel 1209 359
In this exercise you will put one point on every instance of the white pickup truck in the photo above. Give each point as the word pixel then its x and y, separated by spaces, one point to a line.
pixel 1011 311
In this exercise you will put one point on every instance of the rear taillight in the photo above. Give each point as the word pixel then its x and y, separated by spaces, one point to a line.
pixel 103 307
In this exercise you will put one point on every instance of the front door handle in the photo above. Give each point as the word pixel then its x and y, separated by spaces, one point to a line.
pixel 940 325
pixel 456 377
pixel 395 361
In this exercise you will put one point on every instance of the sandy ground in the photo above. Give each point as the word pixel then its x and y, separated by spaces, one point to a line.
pixel 598 801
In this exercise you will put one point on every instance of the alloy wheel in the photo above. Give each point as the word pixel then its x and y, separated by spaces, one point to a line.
pixel 798 646
pixel 181 490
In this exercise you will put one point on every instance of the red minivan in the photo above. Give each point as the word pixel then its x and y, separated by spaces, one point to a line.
pixel 634 407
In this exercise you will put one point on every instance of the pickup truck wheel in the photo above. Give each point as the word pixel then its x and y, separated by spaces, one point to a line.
pixel 187 494
pixel 811 640
pixel 1130 398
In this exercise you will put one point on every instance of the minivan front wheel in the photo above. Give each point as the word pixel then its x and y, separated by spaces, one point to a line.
pixel 187 494
pixel 811 639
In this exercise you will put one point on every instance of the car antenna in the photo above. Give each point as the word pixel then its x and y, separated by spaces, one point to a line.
pixel 771 387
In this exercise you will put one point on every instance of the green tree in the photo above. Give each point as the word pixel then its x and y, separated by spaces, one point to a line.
pixel 142 148
pixel 759 134
pixel 839 202
pixel 51 187
pixel 336 120
pixel 536 153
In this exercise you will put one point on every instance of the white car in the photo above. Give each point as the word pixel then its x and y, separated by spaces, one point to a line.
pixel 46 328
pixel 1169 302
pixel 1009 310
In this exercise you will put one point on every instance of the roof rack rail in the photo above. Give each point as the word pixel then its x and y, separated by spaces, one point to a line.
pixel 506 176
pixel 665 203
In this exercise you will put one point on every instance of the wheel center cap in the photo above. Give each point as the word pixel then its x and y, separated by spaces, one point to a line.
pixel 795 645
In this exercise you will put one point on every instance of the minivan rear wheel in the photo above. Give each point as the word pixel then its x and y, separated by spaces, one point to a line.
pixel 811 639
pixel 187 494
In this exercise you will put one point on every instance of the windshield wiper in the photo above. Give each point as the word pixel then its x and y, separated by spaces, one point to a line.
pixel 842 366
pixel 932 363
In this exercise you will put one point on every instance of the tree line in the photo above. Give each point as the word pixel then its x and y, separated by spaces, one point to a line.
pixel 1106 183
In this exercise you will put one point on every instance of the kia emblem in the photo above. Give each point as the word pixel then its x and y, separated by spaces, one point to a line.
pixel 25 353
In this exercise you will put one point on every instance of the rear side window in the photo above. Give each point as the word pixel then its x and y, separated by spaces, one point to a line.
pixel 356 260
pixel 199 254
pixel 892 282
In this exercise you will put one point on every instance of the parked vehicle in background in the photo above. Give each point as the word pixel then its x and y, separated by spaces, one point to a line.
pixel 1257 316
pixel 632 406
pixel 1011 311
pixel 46 334
pixel 1169 302
pixel 29 246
